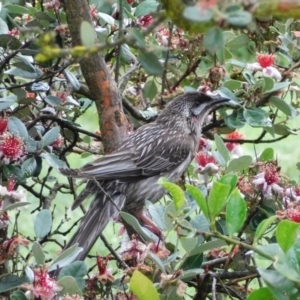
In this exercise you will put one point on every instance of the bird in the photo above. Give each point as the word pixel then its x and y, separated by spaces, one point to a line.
pixel 125 178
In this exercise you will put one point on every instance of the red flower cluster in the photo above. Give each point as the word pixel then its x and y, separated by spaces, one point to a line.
pixel 12 148
pixel 265 60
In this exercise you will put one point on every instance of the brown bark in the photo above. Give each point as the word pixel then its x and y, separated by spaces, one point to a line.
pixel 113 123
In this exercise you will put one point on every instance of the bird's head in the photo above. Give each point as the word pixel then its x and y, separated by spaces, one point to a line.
pixel 193 107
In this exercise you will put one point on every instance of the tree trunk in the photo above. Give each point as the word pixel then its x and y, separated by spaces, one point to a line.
pixel 113 123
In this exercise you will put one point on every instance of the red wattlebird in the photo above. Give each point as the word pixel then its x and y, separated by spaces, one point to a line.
pixel 125 178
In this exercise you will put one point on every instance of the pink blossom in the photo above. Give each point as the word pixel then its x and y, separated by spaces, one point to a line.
pixel 233 147
pixel 265 65
pixel 43 285
pixel 11 148
pixel 206 163
pixel 268 180
pixel 145 20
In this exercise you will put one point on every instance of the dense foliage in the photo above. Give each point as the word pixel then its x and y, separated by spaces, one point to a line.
pixel 230 228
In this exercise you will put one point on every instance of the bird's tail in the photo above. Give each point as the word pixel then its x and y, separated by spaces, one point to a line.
pixel 102 209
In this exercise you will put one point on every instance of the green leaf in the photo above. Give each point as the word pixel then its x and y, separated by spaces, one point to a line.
pixel 3 27
pixel 134 223
pixel 200 199
pixel 241 40
pixel 126 55
pixel 16 9
pixel 69 286
pixel 176 192
pixel 53 100
pixel 217 198
pixel 213 39
pixel 72 79
pixel 239 164
pixel 282 129
pixel 191 273
pixel 37 87
pixel 51 136
pixel 230 179
pixel 262 227
pixel 157 261
pixel 42 223
pixel 188 243
pixel 150 63
pixel 267 154
pixel 157 213
pixel 142 287
pixel 136 35
pixel 262 293
pixel 192 261
pixel 9 42
pixel 278 86
pixel 283 106
pixel 286 234
pixel 257 117
pixel 280 286
pixel 239 18
pixel 236 119
pixel 18 295
pixel 77 270
pixel 236 212
pixel 6 102
pixel 197 14
pixel 16 127
pixel 268 83
pixel 216 243
pixel 106 18
pixel 285 265
pixel 53 160
pixel 24 74
pixel 225 92
pixel 232 84
pixel 221 147
pixel 14 206
pixel 150 90
pixel 38 253
pixel 145 8
pixel 65 258
pixel 87 34
pixel 10 282
pixel 29 166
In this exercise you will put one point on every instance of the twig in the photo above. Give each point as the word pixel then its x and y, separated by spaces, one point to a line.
pixel 63 123
pixel 113 252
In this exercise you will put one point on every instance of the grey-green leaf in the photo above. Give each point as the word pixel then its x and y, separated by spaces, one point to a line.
pixel 42 223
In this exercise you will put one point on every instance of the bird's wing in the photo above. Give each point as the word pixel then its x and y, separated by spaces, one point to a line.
pixel 149 152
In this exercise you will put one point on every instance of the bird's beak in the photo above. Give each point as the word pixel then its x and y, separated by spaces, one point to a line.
pixel 215 103
pixel 224 101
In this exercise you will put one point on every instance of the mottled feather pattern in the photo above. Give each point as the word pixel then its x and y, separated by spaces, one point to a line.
pixel 125 178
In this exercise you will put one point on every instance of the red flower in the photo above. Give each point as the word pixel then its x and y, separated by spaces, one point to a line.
pixel 3 125
pixel 203 158
pixel 11 148
pixel 207 163
pixel 93 11
pixel 268 180
pixel 204 144
pixel 43 287
pixel 235 135
pixel 104 275
pixel 58 142
pixel 8 247
pixel 265 60
pixel 11 184
pixel 145 20
pixel 293 214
